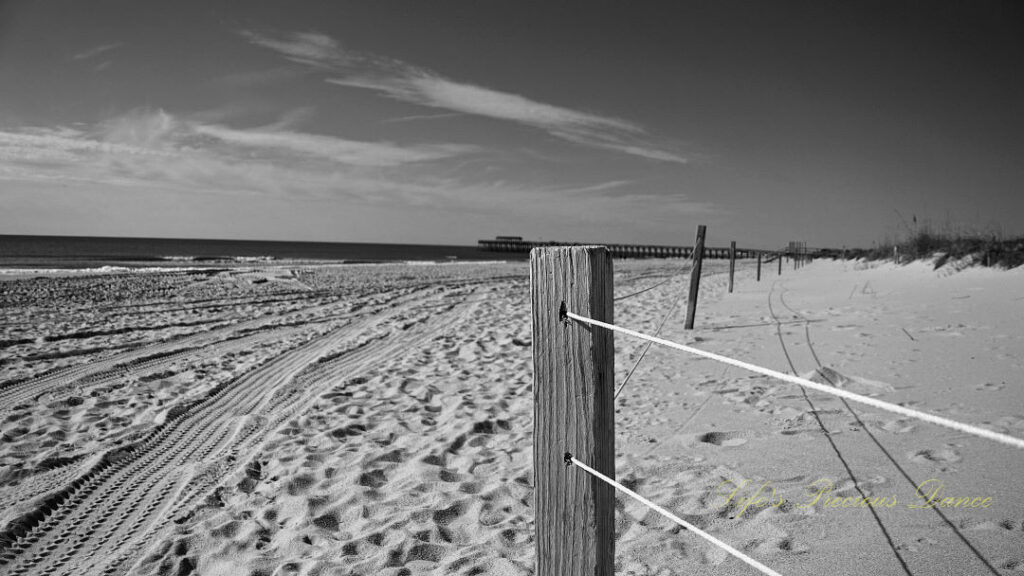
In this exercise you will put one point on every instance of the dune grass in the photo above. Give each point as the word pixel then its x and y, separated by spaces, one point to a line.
pixel 941 248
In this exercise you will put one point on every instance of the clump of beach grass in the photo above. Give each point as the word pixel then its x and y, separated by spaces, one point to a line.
pixel 940 247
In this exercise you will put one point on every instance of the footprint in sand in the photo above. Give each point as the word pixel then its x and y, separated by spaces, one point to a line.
pixel 1015 422
pixel 1011 525
pixel 723 438
pixel 1012 565
pixel 300 484
pixel 373 479
pixel 830 376
pixel 898 426
pixel 918 544
pixel 1006 524
pixel 944 455
pixel 782 545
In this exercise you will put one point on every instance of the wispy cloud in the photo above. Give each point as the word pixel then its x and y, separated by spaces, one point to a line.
pixel 304 47
pixel 97 50
pixel 599 187
pixel 145 150
pixel 401 81
pixel 412 117
pixel 155 148
pixel 339 150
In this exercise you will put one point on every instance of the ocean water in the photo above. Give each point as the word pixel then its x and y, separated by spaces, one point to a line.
pixel 90 252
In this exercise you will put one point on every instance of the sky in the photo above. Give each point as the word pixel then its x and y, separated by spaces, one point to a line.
pixel 442 122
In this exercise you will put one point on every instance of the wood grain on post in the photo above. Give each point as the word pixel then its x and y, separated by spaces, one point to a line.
pixel 573 391
pixel 759 266
pixel 698 259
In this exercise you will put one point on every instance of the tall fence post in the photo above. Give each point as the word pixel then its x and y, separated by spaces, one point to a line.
pixel 698 260
pixel 732 263
pixel 780 264
pixel 758 265
pixel 573 391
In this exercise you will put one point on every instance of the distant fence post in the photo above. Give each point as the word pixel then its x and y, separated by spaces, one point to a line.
pixel 698 260
pixel 758 265
pixel 780 264
pixel 573 391
pixel 732 263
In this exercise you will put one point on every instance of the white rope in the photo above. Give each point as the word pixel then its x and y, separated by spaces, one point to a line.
pixel 674 518
pixel 880 404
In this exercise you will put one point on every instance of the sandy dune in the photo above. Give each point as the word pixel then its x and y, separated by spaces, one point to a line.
pixel 378 420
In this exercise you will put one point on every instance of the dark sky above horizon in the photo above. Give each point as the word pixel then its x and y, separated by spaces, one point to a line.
pixel 443 122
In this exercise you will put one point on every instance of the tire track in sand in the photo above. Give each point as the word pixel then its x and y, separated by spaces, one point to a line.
pixel 100 521
pixel 825 430
pixel 823 372
pixel 149 356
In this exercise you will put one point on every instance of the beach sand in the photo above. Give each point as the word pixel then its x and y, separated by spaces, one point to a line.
pixel 377 419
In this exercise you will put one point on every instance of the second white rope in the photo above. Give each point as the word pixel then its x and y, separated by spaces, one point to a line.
pixel 880 404
pixel 674 518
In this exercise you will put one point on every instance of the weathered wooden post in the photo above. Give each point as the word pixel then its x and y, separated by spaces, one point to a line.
pixel 573 391
pixel 732 263
pixel 780 264
pixel 758 265
pixel 698 259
